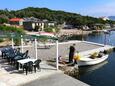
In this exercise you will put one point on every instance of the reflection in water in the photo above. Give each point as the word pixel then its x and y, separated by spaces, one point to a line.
pixel 89 69
pixel 100 37
pixel 93 37
pixel 77 37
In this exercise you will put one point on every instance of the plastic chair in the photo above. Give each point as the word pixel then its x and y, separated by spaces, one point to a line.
pixel 37 64
pixel 28 67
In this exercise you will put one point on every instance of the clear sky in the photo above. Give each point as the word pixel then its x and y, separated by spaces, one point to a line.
pixel 84 7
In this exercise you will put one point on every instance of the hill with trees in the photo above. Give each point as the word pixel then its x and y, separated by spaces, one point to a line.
pixel 52 15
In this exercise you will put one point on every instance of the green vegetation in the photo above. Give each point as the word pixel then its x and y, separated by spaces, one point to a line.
pixel 3 20
pixel 11 29
pixel 51 29
pixel 58 16
pixel 10 32
pixel 17 41
pixel 1 40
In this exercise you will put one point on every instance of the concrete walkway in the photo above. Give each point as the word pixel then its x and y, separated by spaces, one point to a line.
pixel 49 53
pixel 9 76
pixel 48 76
pixel 57 80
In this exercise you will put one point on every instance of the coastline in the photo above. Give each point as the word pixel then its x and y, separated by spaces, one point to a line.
pixel 70 32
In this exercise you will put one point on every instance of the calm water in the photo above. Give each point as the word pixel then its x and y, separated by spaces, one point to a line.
pixel 102 74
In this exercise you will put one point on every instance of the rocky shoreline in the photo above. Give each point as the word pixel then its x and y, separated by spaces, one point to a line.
pixel 73 32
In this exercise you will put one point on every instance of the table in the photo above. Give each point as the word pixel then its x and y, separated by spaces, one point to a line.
pixel 23 61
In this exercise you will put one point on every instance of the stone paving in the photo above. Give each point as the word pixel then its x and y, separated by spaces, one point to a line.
pixel 57 80
pixel 48 53
pixel 9 76
pixel 48 76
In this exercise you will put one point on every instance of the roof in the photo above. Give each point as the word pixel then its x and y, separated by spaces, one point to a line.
pixel 16 19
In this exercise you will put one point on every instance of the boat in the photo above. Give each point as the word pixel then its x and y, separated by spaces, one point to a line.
pixel 106 31
pixel 86 61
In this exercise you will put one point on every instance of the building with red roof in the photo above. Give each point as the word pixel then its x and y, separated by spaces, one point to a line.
pixel 16 21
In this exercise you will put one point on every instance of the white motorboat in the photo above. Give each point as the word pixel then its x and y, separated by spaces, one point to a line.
pixel 106 31
pixel 85 61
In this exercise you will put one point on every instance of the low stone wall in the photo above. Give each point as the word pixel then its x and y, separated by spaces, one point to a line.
pixel 73 32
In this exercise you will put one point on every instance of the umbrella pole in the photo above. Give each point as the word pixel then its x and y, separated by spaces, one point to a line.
pixel 36 48
pixel 57 55
pixel 22 44
pixel 12 42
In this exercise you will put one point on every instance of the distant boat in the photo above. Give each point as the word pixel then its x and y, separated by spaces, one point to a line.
pixel 85 61
pixel 106 31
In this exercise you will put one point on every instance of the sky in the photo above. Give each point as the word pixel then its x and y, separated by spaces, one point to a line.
pixel 96 8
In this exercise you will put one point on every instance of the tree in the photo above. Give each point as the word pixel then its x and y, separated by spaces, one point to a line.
pixel 3 20
pixel 52 15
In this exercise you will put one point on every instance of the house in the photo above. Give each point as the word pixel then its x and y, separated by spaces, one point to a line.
pixel 34 24
pixel 68 27
pixel 49 23
pixel 16 21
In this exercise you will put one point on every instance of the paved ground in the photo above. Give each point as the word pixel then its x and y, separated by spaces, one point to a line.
pixel 46 54
pixel 9 76
pixel 57 80
pixel 48 76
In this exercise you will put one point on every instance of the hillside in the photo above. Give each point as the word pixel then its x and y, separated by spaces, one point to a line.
pixel 53 15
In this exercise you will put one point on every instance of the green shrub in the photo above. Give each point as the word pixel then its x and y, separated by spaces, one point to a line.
pixel 1 40
pixel 48 29
pixel 17 41
pixel 11 29
pixel 51 29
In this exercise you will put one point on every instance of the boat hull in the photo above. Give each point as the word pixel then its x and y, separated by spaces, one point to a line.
pixel 92 62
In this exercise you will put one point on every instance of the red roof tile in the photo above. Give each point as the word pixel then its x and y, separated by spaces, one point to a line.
pixel 16 19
